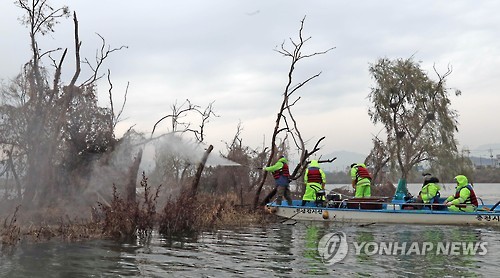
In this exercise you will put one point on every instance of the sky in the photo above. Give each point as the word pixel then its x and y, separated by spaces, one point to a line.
pixel 223 51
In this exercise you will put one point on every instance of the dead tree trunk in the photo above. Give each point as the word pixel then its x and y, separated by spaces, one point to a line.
pixel 196 181
pixel 10 161
pixel 132 180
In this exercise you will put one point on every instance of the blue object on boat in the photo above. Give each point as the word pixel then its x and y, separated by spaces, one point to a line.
pixel 401 190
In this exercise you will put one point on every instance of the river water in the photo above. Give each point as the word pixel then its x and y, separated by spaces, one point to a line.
pixel 283 249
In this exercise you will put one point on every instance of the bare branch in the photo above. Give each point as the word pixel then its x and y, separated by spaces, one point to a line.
pixel 48 52
pixel 77 53
pixel 57 75
pixel 327 160
pixel 101 56
pixel 117 117
pixel 181 111
pixel 303 83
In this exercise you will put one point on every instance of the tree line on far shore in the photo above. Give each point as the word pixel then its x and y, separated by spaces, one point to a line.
pixel 479 175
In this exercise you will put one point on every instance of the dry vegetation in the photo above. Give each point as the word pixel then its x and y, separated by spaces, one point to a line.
pixel 28 226
pixel 125 220
pixel 206 212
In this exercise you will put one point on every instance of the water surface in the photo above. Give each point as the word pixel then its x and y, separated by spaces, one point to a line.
pixel 287 249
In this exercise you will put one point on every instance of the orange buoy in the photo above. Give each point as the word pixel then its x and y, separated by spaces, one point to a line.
pixel 325 214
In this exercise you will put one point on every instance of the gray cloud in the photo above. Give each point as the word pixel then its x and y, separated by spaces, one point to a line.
pixel 223 51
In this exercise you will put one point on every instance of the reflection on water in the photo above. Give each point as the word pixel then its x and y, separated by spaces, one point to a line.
pixel 430 263
pixel 277 251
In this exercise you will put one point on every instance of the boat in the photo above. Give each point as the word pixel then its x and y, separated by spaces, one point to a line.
pixel 384 210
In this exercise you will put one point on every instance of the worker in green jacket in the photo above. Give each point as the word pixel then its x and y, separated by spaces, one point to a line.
pixel 464 198
pixel 281 176
pixel 315 180
pixel 361 180
pixel 429 192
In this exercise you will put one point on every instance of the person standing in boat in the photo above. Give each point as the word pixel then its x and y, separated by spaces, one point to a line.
pixel 464 198
pixel 281 176
pixel 361 180
pixel 315 180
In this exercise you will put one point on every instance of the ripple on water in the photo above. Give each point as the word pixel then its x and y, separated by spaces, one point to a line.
pixel 276 251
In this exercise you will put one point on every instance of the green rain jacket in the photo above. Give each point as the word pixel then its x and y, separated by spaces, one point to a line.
pixel 361 181
pixel 429 191
pixel 282 180
pixel 464 191
pixel 313 187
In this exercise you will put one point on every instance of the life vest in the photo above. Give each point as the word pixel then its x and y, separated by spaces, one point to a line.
pixel 314 175
pixel 472 198
pixel 362 173
pixel 435 199
pixel 282 172
pixel 425 190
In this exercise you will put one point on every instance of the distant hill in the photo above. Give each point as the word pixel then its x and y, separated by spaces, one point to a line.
pixel 480 156
pixel 485 155
pixel 487 147
pixel 343 161
pixel 485 161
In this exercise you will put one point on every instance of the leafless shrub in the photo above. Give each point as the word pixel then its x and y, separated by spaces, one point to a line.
pixel 191 215
pixel 124 220
pixel 119 218
pixel 11 231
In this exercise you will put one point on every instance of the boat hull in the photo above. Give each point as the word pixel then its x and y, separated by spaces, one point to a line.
pixel 389 215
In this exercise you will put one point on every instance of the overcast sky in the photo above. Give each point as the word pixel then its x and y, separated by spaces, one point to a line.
pixel 223 51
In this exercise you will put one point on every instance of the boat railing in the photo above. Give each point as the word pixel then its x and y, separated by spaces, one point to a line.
pixel 359 203
pixel 423 206
pixel 384 203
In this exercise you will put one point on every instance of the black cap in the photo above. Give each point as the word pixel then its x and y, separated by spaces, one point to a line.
pixel 433 179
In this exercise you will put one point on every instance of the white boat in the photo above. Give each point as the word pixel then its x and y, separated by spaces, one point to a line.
pixel 380 210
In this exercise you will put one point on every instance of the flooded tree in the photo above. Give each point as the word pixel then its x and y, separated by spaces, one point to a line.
pixel 243 178
pixel 286 124
pixel 416 114
pixel 52 130
pixel 175 156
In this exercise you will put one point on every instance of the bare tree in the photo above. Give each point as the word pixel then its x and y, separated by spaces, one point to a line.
pixel 172 166
pixel 184 110
pixel 285 121
pixel 242 179
pixel 52 129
